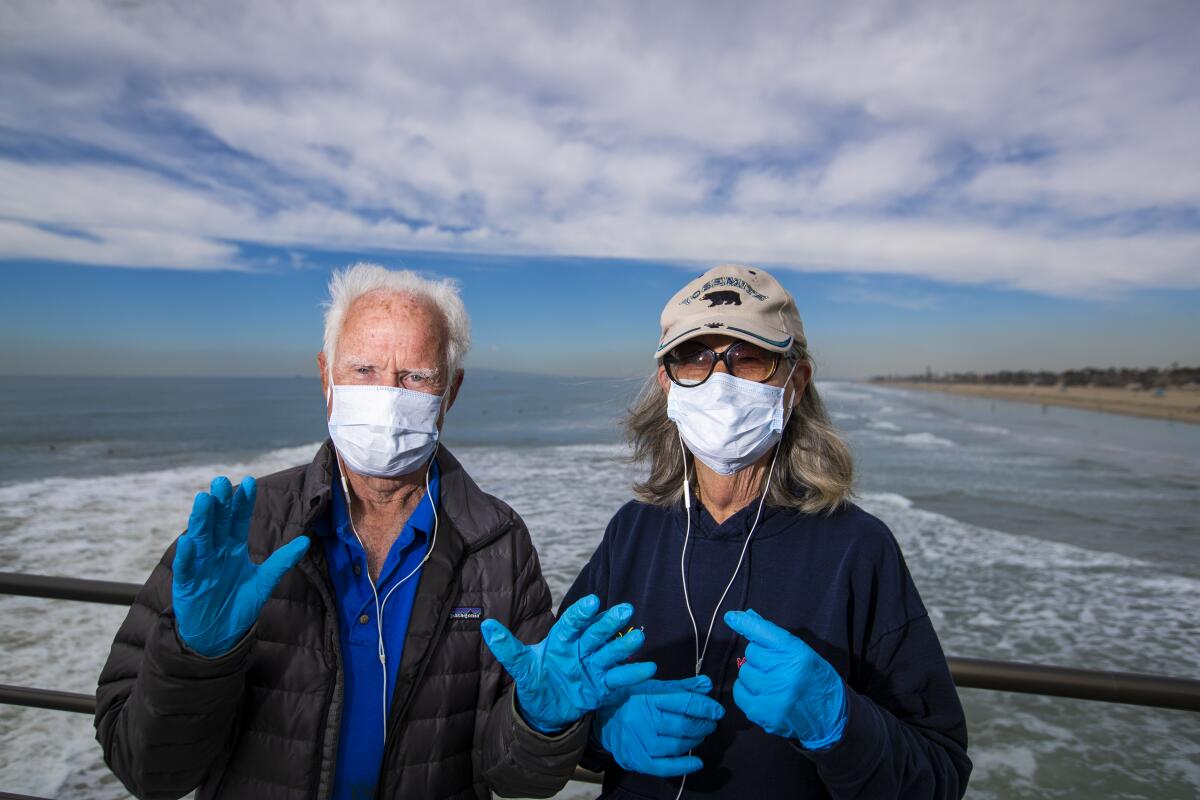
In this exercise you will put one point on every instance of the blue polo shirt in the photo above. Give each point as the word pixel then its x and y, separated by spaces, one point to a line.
pixel 366 705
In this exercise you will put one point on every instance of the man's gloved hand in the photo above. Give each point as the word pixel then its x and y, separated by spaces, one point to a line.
pixel 785 687
pixel 216 591
pixel 651 727
pixel 575 668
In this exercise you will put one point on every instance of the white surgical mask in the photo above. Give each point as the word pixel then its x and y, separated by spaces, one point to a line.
pixel 727 422
pixel 384 431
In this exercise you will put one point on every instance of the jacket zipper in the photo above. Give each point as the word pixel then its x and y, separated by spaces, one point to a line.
pixel 400 713
pixel 332 654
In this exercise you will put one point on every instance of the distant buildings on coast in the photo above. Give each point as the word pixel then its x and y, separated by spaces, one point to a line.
pixel 1112 377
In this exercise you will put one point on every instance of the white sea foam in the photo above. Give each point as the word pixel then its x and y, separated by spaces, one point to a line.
pixel 924 439
pixel 883 431
pixel 111 528
pixel 883 425
pixel 842 391
pixel 998 595
pixel 877 499
pixel 994 430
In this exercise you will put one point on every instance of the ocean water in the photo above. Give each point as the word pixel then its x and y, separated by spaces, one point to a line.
pixel 1050 535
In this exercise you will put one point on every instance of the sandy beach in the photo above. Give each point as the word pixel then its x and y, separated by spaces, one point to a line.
pixel 1180 405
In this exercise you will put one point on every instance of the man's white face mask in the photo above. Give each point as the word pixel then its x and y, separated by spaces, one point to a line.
pixel 383 431
pixel 729 423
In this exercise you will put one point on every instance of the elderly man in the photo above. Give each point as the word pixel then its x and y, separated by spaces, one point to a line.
pixel 360 673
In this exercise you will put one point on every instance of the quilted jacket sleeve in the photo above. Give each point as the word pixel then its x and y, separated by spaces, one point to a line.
pixel 165 715
pixel 517 760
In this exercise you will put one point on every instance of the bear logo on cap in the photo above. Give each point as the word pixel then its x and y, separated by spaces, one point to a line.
pixel 724 298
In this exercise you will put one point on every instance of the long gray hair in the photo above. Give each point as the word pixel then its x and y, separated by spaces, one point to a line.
pixel 813 473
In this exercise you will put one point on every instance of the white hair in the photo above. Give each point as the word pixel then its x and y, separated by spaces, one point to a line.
pixel 349 284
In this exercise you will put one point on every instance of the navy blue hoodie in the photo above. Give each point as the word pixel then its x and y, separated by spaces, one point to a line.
pixel 840 583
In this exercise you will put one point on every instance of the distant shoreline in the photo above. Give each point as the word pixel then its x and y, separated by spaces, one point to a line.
pixel 1178 405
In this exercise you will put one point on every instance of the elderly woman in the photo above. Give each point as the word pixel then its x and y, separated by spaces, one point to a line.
pixel 755 579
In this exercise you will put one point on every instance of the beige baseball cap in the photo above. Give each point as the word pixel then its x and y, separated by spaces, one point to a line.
pixel 744 302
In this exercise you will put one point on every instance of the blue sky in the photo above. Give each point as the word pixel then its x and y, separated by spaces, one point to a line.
pixel 967 186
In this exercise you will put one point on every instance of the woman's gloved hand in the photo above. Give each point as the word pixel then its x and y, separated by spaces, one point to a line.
pixel 575 668
pixel 217 592
pixel 650 728
pixel 785 687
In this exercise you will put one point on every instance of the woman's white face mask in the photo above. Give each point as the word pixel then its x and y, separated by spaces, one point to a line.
pixel 729 423
pixel 384 431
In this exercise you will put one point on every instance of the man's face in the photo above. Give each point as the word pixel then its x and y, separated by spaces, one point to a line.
pixel 391 339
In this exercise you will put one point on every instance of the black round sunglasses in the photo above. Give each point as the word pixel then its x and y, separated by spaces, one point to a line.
pixel 692 363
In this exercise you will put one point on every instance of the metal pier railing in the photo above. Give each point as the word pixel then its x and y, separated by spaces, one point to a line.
pixel 1158 691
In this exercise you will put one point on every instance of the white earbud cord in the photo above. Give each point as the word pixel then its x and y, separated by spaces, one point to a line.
pixel 701 651
pixel 379 606
pixel 687 503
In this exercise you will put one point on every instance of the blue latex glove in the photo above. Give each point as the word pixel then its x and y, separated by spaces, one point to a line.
pixel 216 590
pixel 575 668
pixel 650 728
pixel 785 687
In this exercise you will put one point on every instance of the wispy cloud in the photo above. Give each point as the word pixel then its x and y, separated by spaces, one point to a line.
pixel 860 290
pixel 1044 146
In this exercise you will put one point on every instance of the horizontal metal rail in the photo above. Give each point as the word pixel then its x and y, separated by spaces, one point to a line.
pixel 1130 688
pixel 59 588
pixel 1158 691
pixel 47 698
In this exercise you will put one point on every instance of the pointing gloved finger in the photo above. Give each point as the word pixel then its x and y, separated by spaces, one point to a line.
pixel 241 510
pixel 630 674
pixel 756 629
pixel 619 650
pixel 575 619
pixel 691 704
pixel 672 767
pixel 609 625
pixel 200 524
pixel 183 569
pixel 510 651
pixel 274 568
pixel 222 492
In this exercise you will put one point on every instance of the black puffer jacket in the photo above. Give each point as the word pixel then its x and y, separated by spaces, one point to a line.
pixel 262 721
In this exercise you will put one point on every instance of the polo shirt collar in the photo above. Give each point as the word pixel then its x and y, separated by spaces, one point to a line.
pixel 419 524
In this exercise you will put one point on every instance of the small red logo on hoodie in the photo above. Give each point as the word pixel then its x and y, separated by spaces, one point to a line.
pixel 741 660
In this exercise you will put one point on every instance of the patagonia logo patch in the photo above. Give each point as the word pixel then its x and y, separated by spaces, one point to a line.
pixel 467 612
